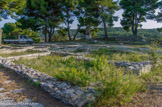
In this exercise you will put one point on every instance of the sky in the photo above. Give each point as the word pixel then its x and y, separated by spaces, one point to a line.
pixel 146 25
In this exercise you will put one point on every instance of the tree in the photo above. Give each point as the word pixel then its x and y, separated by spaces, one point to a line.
pixel 89 17
pixel 44 15
pixel 107 10
pixel 68 8
pixel 136 12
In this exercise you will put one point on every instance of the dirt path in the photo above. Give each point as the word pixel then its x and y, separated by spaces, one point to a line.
pixel 18 92
pixel 152 98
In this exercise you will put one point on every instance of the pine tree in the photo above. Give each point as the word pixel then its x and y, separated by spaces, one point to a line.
pixel 136 12
pixel 107 10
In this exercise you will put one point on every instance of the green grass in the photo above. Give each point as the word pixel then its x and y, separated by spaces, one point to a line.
pixel 113 54
pixel 153 77
pixel 111 83
pixel 18 53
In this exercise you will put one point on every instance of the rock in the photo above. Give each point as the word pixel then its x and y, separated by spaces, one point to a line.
pixel 7 82
pixel 2 89
pixel 78 92
pixel 62 85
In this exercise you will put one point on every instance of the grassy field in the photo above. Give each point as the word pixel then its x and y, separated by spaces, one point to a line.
pixel 113 54
pixel 18 53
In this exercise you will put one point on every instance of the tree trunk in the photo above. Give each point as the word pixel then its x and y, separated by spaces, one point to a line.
pixel 105 30
pixel 76 33
pixel 46 37
pixel 68 25
pixel 105 26
pixel 49 38
pixel 51 32
pixel 68 29
pixel 134 25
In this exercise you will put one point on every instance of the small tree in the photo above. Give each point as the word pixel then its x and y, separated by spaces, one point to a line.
pixel 136 12
pixel 42 15
pixel 107 10
pixel 89 17
pixel 68 8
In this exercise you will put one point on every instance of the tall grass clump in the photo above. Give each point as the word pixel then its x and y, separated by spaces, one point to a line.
pixel 117 86
pixel 155 76
pixel 153 53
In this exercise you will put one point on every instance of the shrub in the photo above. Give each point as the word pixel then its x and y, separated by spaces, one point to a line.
pixel 59 38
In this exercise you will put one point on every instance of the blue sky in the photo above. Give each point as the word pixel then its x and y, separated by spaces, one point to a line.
pixel 146 25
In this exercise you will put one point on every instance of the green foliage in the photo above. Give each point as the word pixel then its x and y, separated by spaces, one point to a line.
pixel 12 31
pixel 118 89
pixel 107 10
pixel 58 37
pixel 43 15
pixel 159 16
pixel 9 7
pixel 155 76
pixel 136 12
pixel 36 84
pixel 153 53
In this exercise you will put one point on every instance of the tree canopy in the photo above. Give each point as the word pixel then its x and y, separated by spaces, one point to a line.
pixel 10 7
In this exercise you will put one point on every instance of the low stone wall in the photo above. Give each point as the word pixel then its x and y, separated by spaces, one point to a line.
pixel 14 49
pixel 68 53
pixel 29 56
pixel 74 95
pixel 136 67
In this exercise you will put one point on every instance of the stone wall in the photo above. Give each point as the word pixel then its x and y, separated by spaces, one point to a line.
pixel 8 50
pixel 136 67
pixel 67 93
pixel 29 56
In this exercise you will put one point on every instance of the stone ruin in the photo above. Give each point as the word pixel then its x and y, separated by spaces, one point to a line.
pixel 64 91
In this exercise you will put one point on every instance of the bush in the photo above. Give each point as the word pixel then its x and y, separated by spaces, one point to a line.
pixel 59 38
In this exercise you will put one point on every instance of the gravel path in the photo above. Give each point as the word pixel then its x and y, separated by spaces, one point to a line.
pixel 17 92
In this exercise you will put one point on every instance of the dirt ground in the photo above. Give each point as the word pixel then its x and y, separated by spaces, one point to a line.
pixel 10 81
pixel 151 98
